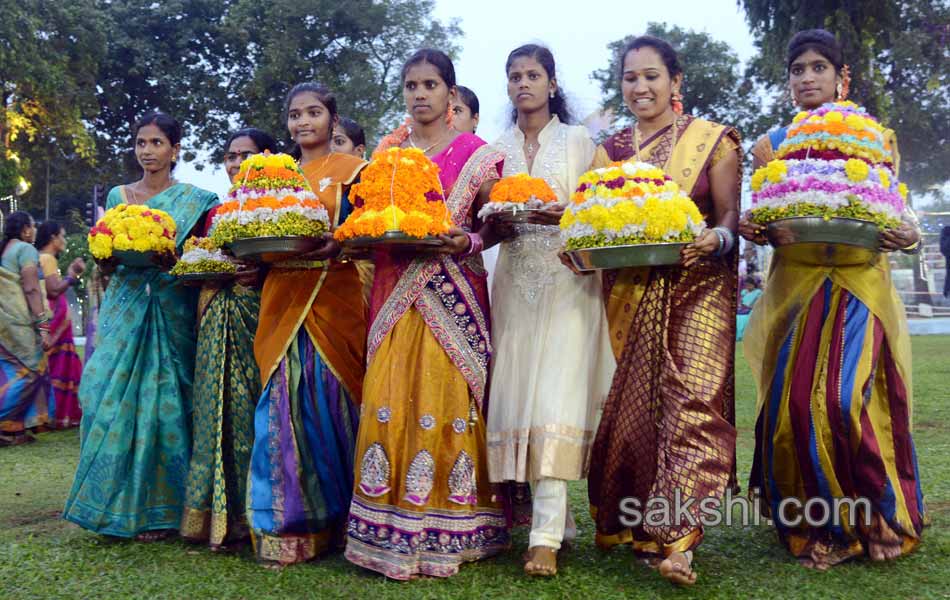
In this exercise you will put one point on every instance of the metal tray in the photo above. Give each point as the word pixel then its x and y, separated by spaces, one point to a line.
pixel 139 260
pixel 838 241
pixel 209 276
pixel 395 239
pixel 522 215
pixel 618 257
pixel 273 249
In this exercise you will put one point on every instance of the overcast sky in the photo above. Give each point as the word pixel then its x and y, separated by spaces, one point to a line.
pixel 576 33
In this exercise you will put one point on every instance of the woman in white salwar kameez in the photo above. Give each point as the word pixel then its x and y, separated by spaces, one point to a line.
pixel 552 363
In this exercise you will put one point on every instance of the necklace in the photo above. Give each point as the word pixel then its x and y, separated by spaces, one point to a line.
pixel 636 143
pixel 428 148
pixel 133 196
pixel 326 181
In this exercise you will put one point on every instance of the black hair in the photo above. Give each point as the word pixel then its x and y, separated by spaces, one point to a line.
pixel 662 47
pixel 262 139
pixel 45 233
pixel 353 131
pixel 167 123
pixel 819 40
pixel 438 59
pixel 14 225
pixel 323 94
pixel 468 98
pixel 556 105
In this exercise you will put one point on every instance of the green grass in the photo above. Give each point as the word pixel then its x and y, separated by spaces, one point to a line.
pixel 41 555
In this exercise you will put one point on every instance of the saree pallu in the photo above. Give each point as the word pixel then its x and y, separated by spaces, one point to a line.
pixel 667 428
pixel 227 386
pixel 24 380
pixel 422 504
pixel 136 392
pixel 65 368
pixel 310 350
pixel 830 352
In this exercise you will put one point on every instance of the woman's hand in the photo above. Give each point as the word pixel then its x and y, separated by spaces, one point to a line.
pixel 704 245
pixel 45 339
pixel 328 248
pixel 567 262
pixel 77 267
pixel 165 261
pixel 899 238
pixel 751 231
pixel 503 229
pixel 456 241
pixel 549 215
pixel 107 266
pixel 250 276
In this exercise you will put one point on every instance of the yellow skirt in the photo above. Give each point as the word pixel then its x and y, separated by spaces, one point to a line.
pixel 422 502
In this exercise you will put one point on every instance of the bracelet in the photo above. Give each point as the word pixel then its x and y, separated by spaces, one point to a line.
pixel 475 245
pixel 727 240
pixel 912 249
pixel 37 321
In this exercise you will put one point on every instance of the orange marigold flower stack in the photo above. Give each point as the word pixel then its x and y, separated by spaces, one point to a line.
pixel 399 191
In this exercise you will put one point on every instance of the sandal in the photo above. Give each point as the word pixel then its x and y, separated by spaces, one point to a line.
pixel 678 568
pixel 156 535
pixel 542 562
pixel 883 542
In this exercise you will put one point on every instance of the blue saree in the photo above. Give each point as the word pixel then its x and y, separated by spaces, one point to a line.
pixel 136 392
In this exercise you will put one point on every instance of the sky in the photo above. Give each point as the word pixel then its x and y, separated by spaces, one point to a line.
pixel 578 39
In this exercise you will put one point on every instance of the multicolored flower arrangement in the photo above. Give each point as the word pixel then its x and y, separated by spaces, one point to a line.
pixel 132 227
pixel 834 162
pixel 628 203
pixel 398 191
pixel 202 255
pixel 270 197
pixel 518 192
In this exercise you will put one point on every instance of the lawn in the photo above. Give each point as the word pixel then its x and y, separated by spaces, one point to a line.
pixel 43 556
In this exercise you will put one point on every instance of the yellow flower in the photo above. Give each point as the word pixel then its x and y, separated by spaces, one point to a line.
pixel 902 190
pixel 856 170
pixel 776 170
pixel 758 178
pixel 885 178
pixel 834 117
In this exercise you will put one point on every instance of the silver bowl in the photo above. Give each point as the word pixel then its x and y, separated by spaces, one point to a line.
pixel 133 258
pixel 619 257
pixel 394 239
pixel 209 276
pixel 838 241
pixel 273 249
pixel 522 215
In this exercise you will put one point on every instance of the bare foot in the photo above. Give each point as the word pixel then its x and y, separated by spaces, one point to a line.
pixel 883 542
pixel 677 568
pixel 542 562
pixel 153 536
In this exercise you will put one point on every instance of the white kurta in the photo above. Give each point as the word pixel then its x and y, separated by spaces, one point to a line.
pixel 552 364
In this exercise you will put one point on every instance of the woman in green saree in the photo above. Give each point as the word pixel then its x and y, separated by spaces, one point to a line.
pixel 136 389
pixel 227 386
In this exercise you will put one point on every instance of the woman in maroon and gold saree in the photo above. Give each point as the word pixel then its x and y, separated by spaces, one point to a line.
pixel 665 429
pixel 422 503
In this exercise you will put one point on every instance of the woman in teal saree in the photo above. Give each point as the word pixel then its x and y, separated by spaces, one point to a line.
pixel 136 389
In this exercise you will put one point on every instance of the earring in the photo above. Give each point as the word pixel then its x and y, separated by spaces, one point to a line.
pixel 677 102
pixel 551 94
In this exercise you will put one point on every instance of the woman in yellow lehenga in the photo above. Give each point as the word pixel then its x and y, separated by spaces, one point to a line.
pixel 666 427
pixel 310 348
pixel 422 504
pixel 830 352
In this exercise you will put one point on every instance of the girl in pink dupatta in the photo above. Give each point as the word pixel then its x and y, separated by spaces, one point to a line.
pixel 422 504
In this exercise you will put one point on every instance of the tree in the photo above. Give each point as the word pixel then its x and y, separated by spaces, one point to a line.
pixel 49 54
pixel 356 49
pixel 713 85
pixel 900 65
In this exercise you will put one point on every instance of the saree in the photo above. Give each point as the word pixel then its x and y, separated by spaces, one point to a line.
pixel 310 353
pixel 65 368
pixel 422 504
pixel 24 380
pixel 667 426
pixel 747 303
pixel 830 352
pixel 227 386
pixel 136 391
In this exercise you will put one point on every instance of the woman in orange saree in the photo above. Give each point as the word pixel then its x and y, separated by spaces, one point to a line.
pixel 666 427
pixel 422 505
pixel 310 348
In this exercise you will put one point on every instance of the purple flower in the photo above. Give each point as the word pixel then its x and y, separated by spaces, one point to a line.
pixel 358 201
pixel 433 196
pixel 615 184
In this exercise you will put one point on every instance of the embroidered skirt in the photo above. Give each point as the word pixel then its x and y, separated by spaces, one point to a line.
pixel 422 503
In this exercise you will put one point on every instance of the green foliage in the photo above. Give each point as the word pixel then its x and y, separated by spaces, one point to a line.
pixel 713 86
pixel 899 53
pixel 356 49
